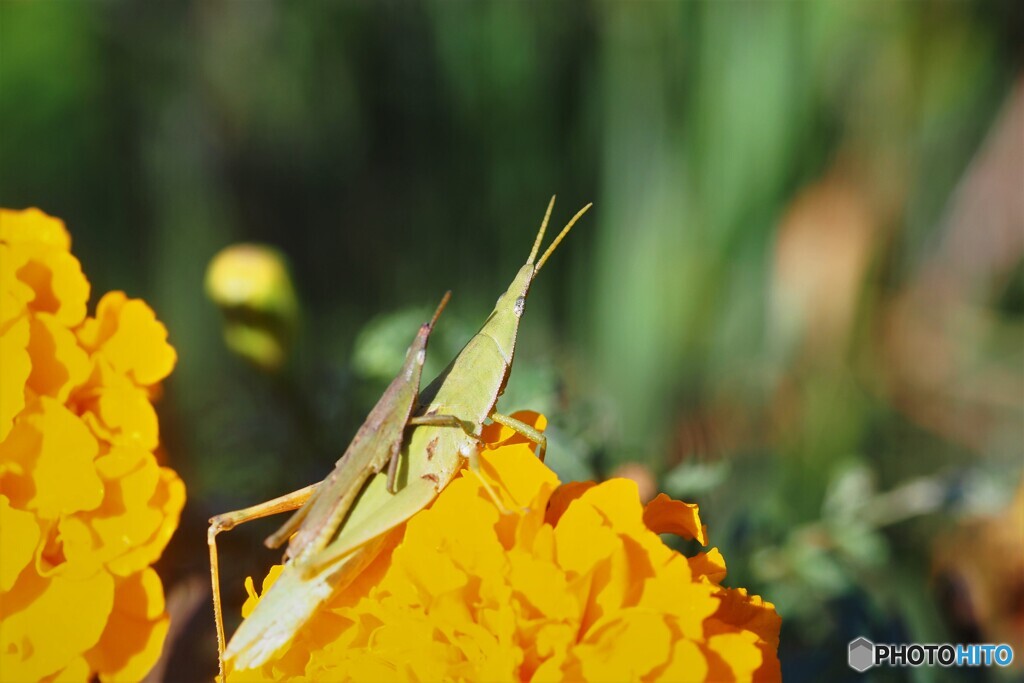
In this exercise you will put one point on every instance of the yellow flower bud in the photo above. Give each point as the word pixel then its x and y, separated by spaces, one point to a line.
pixel 252 286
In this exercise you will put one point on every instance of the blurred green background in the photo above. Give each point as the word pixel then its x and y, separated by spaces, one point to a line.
pixel 798 300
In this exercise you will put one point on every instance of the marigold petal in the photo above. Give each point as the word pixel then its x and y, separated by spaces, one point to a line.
pixel 250 602
pixel 551 648
pixel 59 364
pixel 17 366
pixel 254 598
pixel 33 226
pixel 563 496
pixel 78 671
pixel 123 416
pixel 128 335
pixel 126 532
pixel 58 285
pixel 15 295
pixel 618 501
pixel 81 548
pixel 474 650
pixel 124 521
pixel 410 641
pixel 541 587
pixel 710 565
pixel 673 591
pixel 11 308
pixel 535 536
pixel 371 668
pixel 663 515
pixel 57 450
pixel 133 638
pixel 438 576
pixel 18 542
pixel 526 480
pixel 582 539
pixel 93 332
pixel 461 525
pixel 688 663
pixel 738 610
pixel 77 609
pixel 739 652
pixel 627 649
pixel 168 500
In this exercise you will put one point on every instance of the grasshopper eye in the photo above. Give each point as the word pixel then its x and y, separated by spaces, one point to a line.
pixel 519 305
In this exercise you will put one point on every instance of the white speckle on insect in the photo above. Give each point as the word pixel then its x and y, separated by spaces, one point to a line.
pixel 519 305
pixel 421 356
pixel 467 449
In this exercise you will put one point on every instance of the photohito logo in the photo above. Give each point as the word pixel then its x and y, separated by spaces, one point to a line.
pixel 863 654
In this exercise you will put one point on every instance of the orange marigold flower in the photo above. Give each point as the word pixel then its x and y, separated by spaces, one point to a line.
pixel 84 506
pixel 566 583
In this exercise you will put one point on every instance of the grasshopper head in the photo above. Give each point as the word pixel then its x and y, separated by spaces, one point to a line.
pixel 503 323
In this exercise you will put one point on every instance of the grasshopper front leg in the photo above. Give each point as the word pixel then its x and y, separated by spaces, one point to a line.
pixel 228 521
pixel 520 427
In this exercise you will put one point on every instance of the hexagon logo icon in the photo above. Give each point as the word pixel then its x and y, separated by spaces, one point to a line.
pixel 861 655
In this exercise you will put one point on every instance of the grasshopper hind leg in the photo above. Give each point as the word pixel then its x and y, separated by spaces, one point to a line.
pixel 228 521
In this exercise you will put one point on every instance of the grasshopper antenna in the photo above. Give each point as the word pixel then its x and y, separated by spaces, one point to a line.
pixel 543 227
pixel 565 231
pixel 440 307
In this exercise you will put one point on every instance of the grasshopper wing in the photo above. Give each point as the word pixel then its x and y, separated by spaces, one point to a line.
pixel 288 605
pixel 378 440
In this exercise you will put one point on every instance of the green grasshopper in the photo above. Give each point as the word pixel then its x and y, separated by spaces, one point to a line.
pixel 452 412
